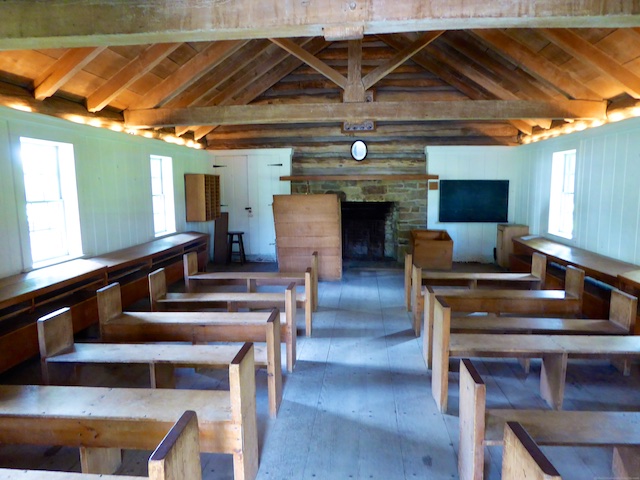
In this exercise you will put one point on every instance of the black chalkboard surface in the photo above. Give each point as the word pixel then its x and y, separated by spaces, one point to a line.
pixel 474 200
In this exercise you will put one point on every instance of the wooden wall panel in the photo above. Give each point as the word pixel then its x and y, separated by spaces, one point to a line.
pixel 607 198
pixel 297 218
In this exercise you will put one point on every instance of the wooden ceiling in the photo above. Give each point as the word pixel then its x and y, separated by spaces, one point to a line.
pixel 244 74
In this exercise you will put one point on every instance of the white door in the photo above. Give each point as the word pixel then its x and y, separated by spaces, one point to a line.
pixel 233 193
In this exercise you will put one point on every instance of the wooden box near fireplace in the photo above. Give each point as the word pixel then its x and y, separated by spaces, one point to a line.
pixel 432 249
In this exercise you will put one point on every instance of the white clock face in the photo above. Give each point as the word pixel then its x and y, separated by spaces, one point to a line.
pixel 359 150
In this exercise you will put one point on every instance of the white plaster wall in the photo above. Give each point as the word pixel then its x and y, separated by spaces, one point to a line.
pixel 113 180
pixel 474 242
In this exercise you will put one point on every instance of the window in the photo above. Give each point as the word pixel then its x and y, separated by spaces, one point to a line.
pixel 51 201
pixel 164 217
pixel 563 175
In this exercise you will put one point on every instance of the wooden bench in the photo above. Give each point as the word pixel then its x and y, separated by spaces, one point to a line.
pixel 194 281
pixel 621 321
pixel 542 302
pixel 103 420
pixel 553 349
pixel 161 300
pixel 55 336
pixel 522 457
pixel 420 277
pixel 177 457
pixel 197 327
pixel 480 427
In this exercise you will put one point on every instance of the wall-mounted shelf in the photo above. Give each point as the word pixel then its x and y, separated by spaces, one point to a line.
pixel 337 178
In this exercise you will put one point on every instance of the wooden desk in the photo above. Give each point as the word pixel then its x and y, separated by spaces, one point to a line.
pixel 26 297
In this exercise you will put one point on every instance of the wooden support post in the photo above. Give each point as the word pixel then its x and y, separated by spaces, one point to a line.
pixel 162 375
pixel 416 298
pixel 473 398
pixel 100 460
pixel 109 304
pixel 190 267
pixel 314 276
pixel 251 285
pixel 157 288
pixel 242 387
pixel 308 302
pixel 440 370
pixel 274 365
pixel 539 268
pixel 552 378
pixel 408 261
pixel 290 310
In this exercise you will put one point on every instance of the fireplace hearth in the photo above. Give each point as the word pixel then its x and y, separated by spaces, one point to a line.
pixel 364 229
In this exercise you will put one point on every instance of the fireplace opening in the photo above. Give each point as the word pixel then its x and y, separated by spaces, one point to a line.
pixel 365 229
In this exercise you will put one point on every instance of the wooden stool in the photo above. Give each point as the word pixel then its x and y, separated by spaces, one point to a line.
pixel 231 241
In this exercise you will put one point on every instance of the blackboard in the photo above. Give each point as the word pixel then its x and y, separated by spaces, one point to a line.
pixel 474 200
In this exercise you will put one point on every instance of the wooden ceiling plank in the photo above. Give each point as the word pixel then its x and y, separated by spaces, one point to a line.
pixel 158 21
pixel 399 58
pixel 127 75
pixel 270 73
pixel 189 73
pixel 377 111
pixel 63 70
pixel 538 65
pixel 447 75
pixel 311 60
pixel 587 52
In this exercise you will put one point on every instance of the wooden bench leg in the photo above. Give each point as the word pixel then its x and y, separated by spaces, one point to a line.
pixel 251 285
pixel 626 462
pixel 274 365
pixel 473 393
pixel 624 366
pixel 291 334
pixel 525 363
pixel 416 299
pixel 552 378
pixel 408 260
pixel 162 375
pixel 440 370
pixel 308 302
pixel 100 460
pixel 242 388
pixel 427 330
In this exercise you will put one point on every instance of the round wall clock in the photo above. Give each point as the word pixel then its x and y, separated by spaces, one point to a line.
pixel 358 150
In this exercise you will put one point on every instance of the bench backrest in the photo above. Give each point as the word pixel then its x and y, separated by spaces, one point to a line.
pixel 55 333
pixel 473 400
pixel 539 267
pixel 178 455
pixel 574 282
pixel 109 304
pixel 622 310
pixel 190 266
pixel 157 288
pixel 522 458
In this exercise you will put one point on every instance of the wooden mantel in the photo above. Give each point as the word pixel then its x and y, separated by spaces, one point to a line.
pixel 337 178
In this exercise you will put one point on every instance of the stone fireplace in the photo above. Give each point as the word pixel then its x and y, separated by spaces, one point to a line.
pixel 407 207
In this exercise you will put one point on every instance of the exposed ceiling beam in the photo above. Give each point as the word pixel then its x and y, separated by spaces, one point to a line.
pixel 136 68
pixel 68 24
pixel 587 52
pixel 270 73
pixel 311 60
pixel 69 64
pixel 448 75
pixel 377 111
pixel 355 88
pixel 398 59
pixel 189 73
pixel 537 65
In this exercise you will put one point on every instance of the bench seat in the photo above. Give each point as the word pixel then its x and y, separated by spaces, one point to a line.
pixel 480 426
pixel 162 300
pixel 554 350
pixel 197 327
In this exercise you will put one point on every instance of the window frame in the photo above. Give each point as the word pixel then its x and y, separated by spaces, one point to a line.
pixel 166 195
pixel 562 189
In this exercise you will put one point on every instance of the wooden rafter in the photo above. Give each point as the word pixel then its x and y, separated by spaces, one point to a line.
pixel 311 60
pixel 377 111
pixel 128 74
pixel 587 52
pixel 189 73
pixel 270 72
pixel 537 65
pixel 63 70
pixel 157 21
pixel 398 59
pixel 448 75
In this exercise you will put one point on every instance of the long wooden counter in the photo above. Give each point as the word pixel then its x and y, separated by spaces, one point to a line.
pixel 26 297
pixel 603 269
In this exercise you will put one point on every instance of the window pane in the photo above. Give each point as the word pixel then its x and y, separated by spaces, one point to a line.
pixel 561 202
pixel 156 186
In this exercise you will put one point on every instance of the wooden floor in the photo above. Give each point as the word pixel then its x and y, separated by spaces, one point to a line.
pixel 359 405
